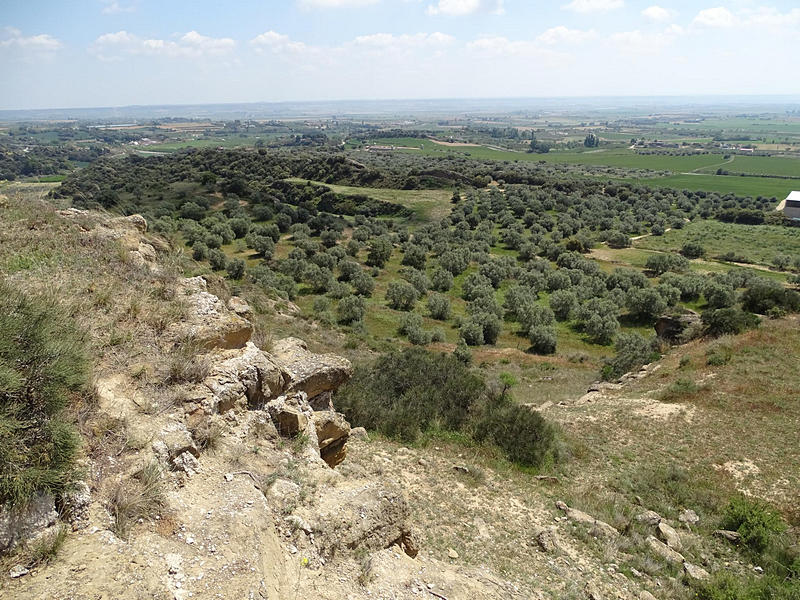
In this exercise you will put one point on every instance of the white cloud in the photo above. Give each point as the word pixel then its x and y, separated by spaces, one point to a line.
pixel 770 17
pixel 388 40
pixel 593 6
pixel 43 42
pixel 638 43
pixel 563 35
pixel 113 46
pixel 335 3
pixel 718 17
pixel 460 8
pixel 113 7
pixel 276 42
pixel 502 46
pixel 657 13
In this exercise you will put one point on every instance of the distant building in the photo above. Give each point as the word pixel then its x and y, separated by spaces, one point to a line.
pixel 791 208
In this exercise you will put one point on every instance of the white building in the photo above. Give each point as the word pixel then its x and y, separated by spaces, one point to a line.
pixel 791 208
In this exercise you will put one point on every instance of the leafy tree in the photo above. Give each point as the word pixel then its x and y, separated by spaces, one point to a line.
pixel 441 280
pixel 401 295
pixel 718 294
pixel 199 251
pixel 563 303
pixel 661 263
pixel 235 268
pixel 472 333
pixel 617 239
pixel 693 250
pixel 261 244
pixel 601 329
pixel 591 141
pixel 351 309
pixel 439 306
pixel 217 259
pixel 380 250
pixel 362 283
pixel 462 352
pixel 728 321
pixel 632 351
pixel 645 304
pixel 490 324
pixel 416 278
pixel 543 339
pixel 414 256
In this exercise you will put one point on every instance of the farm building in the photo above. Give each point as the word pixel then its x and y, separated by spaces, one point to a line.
pixel 791 208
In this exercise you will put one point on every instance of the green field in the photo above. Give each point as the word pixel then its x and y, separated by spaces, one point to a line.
pixel 758 243
pixel 724 184
pixel 426 204
pixel 761 165
pixel 232 141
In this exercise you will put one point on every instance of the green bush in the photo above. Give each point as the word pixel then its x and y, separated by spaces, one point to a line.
pixel 755 521
pixel 732 320
pixel 633 350
pixel 409 393
pixel 401 295
pixel 43 364
pixel 351 310
pixel 439 306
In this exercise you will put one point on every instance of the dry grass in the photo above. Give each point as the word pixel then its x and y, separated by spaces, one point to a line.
pixel 140 497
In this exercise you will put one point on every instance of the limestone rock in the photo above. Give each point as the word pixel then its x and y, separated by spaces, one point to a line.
pixel 669 536
pixel 246 375
pixel 370 516
pixel 649 517
pixel 308 372
pixel 18 571
pixel 283 492
pixel 452 554
pixel 661 549
pixel 601 528
pixel 289 421
pixel 209 323
pixel 547 541
pixel 239 306
pixel 186 463
pixel 732 536
pixel 359 433
pixel 645 595
pixel 333 431
pixel 172 441
pixel 688 517
pixel 670 327
pixel 694 572
pixel 20 523
pixel 74 504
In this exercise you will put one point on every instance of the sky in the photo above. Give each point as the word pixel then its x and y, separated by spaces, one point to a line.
pixel 91 53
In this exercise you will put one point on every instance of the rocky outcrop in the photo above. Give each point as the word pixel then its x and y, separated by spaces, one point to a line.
pixel 370 516
pixel 671 327
pixel 26 521
pixel 661 549
pixel 209 324
pixel 333 431
pixel 311 373
pixel 247 378
pixel 601 528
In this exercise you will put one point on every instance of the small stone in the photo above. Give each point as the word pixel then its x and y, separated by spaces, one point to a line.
pixel 18 571
pixel 758 570
pixel 732 536
pixel 359 433
pixel 645 595
pixel 228 476
pixel 293 549
pixel 452 554
pixel 649 517
pixel 422 462
pixel 688 517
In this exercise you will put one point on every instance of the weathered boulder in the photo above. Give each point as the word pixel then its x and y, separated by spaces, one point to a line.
pixel 244 377
pixel 732 536
pixel 23 522
pixel 547 541
pixel 649 518
pixel 669 536
pixel 289 414
pixel 694 572
pixel 368 516
pixel 308 372
pixel 688 517
pixel 671 327
pixel 239 306
pixel 333 431
pixel 661 549
pixel 73 504
pixel 209 323
pixel 601 528
pixel 172 441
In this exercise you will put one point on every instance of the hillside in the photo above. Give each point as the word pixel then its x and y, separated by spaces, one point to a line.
pixel 203 456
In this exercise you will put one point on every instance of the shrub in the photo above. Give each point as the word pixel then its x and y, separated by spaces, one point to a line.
pixel 351 309
pixel 401 295
pixel 380 250
pixel 755 521
pixel 601 329
pixel 632 351
pixel 409 393
pixel 693 250
pixel 490 324
pixel 645 304
pixel 200 251
pixel 617 239
pixel 462 352
pixel 763 294
pixel 523 435
pixel 719 295
pixel 362 283
pixel 728 321
pixel 414 256
pixel 404 394
pixel 439 306
pixel 43 364
pixel 661 263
